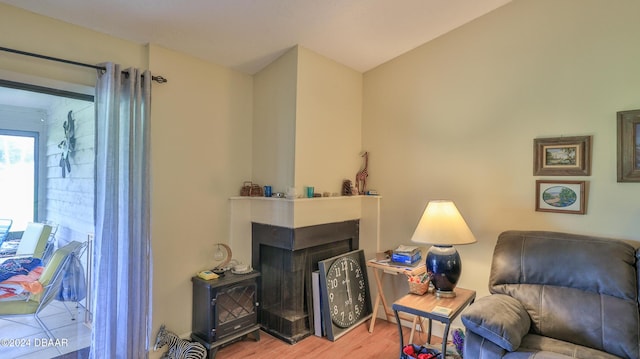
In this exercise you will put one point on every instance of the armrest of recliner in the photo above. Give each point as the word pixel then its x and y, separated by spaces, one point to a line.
pixel 498 318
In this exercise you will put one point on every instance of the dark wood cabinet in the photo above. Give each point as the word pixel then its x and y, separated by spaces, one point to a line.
pixel 224 310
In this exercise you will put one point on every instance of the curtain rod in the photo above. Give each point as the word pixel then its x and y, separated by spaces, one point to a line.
pixel 158 79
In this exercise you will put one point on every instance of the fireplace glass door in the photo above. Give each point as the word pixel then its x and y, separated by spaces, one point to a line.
pixel 235 307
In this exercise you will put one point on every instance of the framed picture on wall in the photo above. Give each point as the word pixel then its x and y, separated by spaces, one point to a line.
pixel 561 196
pixel 562 156
pixel 629 146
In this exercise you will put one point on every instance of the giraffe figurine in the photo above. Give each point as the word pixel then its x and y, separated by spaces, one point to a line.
pixel 361 176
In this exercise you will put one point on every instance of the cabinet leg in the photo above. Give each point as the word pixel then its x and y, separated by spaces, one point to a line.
pixel 256 335
pixel 212 353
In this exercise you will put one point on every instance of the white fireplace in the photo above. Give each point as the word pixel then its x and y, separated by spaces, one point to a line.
pixel 295 230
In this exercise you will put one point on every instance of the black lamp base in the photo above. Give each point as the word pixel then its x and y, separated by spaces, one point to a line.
pixel 444 267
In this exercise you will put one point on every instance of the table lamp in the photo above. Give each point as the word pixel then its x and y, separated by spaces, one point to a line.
pixel 442 226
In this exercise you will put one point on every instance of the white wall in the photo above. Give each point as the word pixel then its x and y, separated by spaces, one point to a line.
pixel 201 152
pixel 70 200
pixel 26 31
pixel 274 123
pixel 307 121
pixel 456 118
pixel 329 121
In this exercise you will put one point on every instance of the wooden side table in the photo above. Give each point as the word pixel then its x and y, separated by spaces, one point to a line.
pixel 428 305
pixel 379 271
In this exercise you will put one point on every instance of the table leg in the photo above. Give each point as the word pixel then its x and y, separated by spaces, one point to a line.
pixel 376 274
pixel 375 312
pixel 413 328
pixel 387 311
pixel 445 335
pixel 400 330
pixel 422 326
pixel 429 335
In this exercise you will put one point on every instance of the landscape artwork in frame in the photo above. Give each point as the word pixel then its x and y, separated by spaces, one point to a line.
pixel 629 146
pixel 561 196
pixel 562 156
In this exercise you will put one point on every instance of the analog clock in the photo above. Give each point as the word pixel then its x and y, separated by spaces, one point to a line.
pixel 346 299
pixel 345 291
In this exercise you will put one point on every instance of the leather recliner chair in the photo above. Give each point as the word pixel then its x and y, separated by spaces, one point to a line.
pixel 557 295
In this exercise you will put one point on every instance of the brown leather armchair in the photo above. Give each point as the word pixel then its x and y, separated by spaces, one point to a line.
pixel 557 295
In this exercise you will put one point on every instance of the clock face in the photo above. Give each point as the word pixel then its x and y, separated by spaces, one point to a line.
pixel 346 291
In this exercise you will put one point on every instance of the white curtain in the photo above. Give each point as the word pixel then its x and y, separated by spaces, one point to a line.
pixel 122 272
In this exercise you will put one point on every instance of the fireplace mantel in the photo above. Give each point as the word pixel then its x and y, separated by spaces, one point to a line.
pixel 302 212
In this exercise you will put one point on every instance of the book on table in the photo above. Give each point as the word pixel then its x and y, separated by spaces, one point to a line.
pixel 406 249
pixel 406 255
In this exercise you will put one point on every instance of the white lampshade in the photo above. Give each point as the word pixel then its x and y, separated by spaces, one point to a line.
pixel 442 224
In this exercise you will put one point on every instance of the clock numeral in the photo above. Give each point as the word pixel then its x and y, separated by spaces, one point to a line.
pixel 334 283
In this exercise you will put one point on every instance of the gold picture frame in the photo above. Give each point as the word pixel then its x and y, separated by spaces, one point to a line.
pixel 562 156
pixel 629 146
pixel 561 196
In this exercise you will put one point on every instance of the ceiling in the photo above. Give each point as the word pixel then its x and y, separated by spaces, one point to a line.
pixel 246 35
pixel 33 101
pixel 22 98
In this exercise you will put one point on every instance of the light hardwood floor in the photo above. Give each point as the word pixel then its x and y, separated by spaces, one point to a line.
pixel 383 343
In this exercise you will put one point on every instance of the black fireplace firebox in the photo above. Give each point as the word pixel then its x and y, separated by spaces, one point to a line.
pixel 286 257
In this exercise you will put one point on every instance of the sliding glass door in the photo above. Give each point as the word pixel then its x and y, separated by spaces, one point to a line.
pixel 18 177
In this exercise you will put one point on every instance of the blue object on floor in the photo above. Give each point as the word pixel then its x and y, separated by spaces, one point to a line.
pixel 5 226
